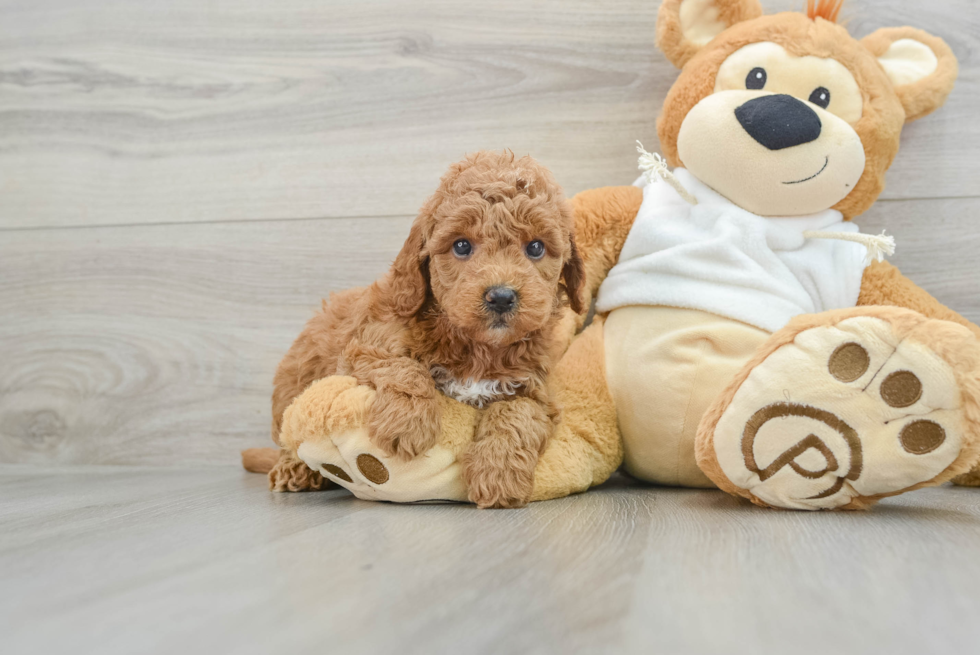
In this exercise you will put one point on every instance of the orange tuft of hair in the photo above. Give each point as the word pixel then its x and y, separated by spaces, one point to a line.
pixel 826 9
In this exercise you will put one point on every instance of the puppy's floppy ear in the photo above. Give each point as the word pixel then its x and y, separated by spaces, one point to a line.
pixel 686 26
pixel 408 280
pixel 573 277
pixel 921 67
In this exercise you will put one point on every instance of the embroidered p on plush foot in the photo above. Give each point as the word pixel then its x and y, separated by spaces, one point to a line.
pixel 842 415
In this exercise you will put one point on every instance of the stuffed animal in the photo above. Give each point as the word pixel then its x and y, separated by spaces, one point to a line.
pixel 746 335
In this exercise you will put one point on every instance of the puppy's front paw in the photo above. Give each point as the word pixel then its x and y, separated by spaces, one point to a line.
pixel 498 476
pixel 403 425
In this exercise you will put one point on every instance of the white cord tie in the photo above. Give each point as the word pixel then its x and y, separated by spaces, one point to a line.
pixel 878 246
pixel 654 167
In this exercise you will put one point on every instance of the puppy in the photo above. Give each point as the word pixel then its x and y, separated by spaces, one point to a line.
pixel 470 307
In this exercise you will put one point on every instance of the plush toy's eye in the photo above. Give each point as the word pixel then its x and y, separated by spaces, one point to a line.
pixel 462 248
pixel 535 250
pixel 820 97
pixel 756 79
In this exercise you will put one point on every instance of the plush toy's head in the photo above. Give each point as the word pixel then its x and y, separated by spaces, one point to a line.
pixel 788 114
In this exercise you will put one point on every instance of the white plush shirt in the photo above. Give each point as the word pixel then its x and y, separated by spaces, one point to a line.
pixel 719 258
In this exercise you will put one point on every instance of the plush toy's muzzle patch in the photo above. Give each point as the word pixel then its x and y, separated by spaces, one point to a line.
pixel 771 153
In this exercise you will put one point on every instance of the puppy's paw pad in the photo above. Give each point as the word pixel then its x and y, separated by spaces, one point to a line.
pixel 844 413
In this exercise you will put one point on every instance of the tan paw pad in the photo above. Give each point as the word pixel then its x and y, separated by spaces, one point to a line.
pixel 843 412
pixel 372 468
pixel 337 472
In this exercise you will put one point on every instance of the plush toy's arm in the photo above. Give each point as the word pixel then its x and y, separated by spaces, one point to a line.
pixel 883 284
pixel 326 429
pixel 603 218
pixel 586 446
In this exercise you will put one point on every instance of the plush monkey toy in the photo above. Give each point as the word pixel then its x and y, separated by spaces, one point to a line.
pixel 745 336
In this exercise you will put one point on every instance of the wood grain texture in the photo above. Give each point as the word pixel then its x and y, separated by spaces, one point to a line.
pixel 141 111
pixel 117 560
pixel 155 345
pixel 937 242
pixel 200 135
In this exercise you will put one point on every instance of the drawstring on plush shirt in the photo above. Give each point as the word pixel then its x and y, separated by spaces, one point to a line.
pixel 654 167
pixel 878 246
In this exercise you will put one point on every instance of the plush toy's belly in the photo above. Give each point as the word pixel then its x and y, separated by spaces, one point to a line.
pixel 665 366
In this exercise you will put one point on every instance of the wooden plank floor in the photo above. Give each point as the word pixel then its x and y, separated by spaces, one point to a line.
pixel 126 560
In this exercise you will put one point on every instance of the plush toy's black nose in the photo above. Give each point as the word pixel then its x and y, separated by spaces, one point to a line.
pixel 779 121
pixel 500 299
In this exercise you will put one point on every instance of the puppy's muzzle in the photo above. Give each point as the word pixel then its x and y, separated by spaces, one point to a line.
pixel 500 300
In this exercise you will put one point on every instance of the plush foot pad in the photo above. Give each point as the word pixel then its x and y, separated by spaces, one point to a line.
pixel 844 408
pixel 326 426
pixel 350 460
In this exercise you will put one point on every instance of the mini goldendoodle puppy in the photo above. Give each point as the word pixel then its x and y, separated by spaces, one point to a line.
pixel 470 307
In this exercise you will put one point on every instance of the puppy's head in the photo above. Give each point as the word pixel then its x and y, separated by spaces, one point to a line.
pixel 493 247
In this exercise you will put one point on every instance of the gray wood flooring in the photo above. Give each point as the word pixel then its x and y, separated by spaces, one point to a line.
pixel 127 560
pixel 181 182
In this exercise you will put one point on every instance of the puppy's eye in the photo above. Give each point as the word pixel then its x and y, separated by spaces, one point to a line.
pixel 820 97
pixel 756 79
pixel 535 250
pixel 462 248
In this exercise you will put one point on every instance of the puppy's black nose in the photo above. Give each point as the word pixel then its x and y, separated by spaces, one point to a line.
pixel 500 299
pixel 779 121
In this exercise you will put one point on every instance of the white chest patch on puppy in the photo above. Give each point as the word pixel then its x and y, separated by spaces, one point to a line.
pixel 478 393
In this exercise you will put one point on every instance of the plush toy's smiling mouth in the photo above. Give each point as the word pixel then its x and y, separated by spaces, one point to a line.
pixel 807 179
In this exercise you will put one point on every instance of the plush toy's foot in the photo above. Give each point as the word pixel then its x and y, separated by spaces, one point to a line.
pixel 325 433
pixel 841 409
pixel 327 429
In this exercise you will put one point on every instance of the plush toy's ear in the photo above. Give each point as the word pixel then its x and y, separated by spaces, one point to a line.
pixel 686 26
pixel 920 66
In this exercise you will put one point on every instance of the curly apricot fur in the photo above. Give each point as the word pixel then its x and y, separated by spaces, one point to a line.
pixel 429 311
